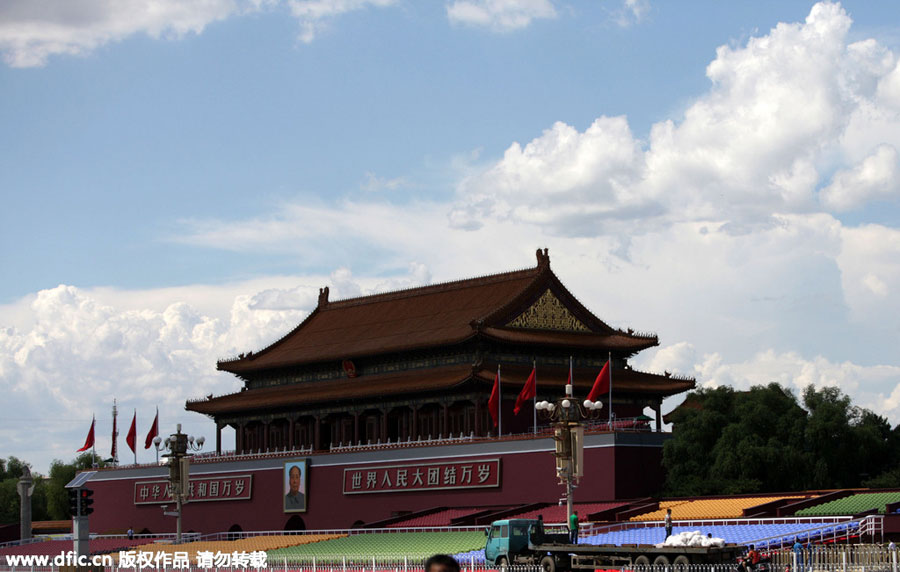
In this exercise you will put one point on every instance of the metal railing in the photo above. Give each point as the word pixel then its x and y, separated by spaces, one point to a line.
pixel 843 558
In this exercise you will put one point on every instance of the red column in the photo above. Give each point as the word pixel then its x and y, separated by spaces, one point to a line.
pixel 317 441
pixel 478 417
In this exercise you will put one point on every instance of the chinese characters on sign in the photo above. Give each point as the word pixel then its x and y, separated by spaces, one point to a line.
pixel 432 476
pixel 215 488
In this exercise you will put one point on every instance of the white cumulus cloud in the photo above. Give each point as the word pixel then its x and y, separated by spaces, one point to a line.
pixel 499 15
pixel 875 177
pixel 316 15
pixel 31 32
pixel 783 113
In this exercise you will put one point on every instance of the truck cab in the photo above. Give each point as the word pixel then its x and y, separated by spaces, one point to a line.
pixel 506 539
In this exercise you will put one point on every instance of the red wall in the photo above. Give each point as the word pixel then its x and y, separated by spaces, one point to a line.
pixel 525 478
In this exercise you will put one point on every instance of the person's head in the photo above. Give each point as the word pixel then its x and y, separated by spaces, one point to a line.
pixel 668 511
pixel 752 547
pixel 441 563
pixel 294 474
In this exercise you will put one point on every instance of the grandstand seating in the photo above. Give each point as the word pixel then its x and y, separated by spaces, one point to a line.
pixel 250 544
pixel 854 504
pixel 707 508
pixel 105 545
pixel 383 546
pixel 440 518
pixel 47 547
pixel 474 556
pixel 557 513
pixel 777 533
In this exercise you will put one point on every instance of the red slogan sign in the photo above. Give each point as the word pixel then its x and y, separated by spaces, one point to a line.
pixel 220 488
pixel 426 477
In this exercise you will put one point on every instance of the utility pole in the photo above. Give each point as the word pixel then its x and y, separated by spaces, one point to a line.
pixel 179 472
pixel 567 415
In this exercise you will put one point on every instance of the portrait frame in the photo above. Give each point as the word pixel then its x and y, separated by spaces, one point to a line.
pixel 288 504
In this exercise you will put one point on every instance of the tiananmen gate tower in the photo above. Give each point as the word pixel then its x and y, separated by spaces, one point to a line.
pixel 381 404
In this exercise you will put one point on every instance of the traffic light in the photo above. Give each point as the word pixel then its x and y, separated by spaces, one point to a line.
pixel 73 502
pixel 86 501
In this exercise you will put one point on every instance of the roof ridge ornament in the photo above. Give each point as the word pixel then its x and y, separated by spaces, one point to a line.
pixel 323 296
pixel 543 258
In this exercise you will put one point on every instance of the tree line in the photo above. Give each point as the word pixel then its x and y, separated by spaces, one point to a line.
pixel 767 440
pixel 49 500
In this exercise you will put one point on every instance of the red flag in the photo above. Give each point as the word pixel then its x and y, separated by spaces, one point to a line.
pixel 89 442
pixel 131 438
pixel 601 384
pixel 154 431
pixel 494 401
pixel 528 392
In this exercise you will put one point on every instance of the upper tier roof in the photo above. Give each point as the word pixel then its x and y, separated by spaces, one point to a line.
pixel 438 315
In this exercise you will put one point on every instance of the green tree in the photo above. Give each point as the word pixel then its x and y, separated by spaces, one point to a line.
pixel 49 500
pixel 763 440
pixel 687 457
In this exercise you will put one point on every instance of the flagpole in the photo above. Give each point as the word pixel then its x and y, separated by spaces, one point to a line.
pixel 157 433
pixel 499 404
pixel 610 392
pixel 534 397
pixel 115 435
pixel 94 444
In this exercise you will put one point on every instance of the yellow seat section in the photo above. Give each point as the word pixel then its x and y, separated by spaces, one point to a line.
pixel 701 509
pixel 251 544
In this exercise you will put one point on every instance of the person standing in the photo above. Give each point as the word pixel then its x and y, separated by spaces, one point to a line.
pixel 130 533
pixel 573 528
pixel 798 556
pixel 668 521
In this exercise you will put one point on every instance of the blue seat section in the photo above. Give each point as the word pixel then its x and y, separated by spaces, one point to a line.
pixel 778 534
pixel 476 556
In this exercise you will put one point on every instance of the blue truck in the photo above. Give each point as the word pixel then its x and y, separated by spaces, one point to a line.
pixel 525 541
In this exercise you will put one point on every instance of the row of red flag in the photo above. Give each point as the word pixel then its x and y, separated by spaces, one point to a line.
pixel 529 391
pixel 131 438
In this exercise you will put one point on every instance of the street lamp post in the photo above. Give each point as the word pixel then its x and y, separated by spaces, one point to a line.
pixel 178 445
pixel 567 416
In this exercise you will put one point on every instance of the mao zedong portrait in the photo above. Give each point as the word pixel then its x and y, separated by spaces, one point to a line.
pixel 295 499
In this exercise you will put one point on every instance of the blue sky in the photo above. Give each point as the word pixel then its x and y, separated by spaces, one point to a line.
pixel 178 183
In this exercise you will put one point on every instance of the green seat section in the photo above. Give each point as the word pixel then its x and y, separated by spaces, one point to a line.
pixel 384 546
pixel 854 504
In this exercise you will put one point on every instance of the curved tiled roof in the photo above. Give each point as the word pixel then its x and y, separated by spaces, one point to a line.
pixel 409 381
pixel 431 379
pixel 431 316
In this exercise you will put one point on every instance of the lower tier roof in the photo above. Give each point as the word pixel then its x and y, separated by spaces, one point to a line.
pixel 418 381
